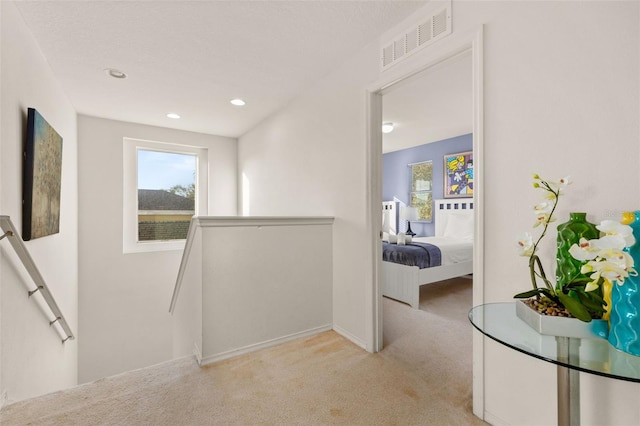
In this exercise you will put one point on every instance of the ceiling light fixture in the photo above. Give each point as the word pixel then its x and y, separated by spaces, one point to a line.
pixel 387 127
pixel 112 72
pixel 173 115
pixel 238 102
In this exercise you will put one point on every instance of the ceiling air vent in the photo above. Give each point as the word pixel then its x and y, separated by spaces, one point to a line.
pixel 440 23
pixel 387 55
pixel 428 31
pixel 411 40
pixel 424 32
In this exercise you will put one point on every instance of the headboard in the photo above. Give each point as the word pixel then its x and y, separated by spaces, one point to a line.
pixel 445 209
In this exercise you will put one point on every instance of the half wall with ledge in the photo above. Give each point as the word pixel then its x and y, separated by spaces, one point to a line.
pixel 246 283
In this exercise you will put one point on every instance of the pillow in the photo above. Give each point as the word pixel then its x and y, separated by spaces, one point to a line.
pixel 393 239
pixel 385 237
pixel 402 239
pixel 459 226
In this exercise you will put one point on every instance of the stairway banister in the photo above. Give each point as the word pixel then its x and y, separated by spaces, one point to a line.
pixel 19 247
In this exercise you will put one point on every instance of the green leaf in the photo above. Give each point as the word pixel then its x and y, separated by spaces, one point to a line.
pixel 550 294
pixel 574 306
pixel 578 282
pixel 528 294
pixel 592 302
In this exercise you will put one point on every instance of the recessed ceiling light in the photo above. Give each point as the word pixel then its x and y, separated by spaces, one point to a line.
pixel 112 72
pixel 173 115
pixel 238 102
pixel 387 127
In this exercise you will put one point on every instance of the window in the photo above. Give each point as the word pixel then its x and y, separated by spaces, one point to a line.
pixel 166 194
pixel 165 185
pixel 421 196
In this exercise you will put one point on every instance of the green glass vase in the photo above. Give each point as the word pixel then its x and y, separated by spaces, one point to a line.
pixel 569 233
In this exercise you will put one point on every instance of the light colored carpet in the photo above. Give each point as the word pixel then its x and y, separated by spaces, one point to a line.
pixel 422 377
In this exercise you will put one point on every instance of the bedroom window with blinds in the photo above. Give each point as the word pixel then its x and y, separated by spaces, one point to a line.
pixel 421 184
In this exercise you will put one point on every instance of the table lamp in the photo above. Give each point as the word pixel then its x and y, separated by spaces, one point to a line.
pixel 409 213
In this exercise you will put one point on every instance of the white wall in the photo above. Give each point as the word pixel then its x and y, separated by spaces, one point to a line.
pixel 560 98
pixel 124 298
pixel 33 359
pixel 264 285
pixel 309 160
pixel 249 283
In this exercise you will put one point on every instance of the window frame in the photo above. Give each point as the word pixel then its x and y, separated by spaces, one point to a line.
pixel 131 146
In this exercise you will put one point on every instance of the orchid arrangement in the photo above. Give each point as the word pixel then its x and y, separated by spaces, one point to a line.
pixel 605 260
pixel 605 257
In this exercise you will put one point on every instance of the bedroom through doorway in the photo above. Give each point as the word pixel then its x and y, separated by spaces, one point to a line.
pixel 400 78
pixel 427 190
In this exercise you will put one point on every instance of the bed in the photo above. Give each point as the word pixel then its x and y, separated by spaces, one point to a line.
pixel 454 238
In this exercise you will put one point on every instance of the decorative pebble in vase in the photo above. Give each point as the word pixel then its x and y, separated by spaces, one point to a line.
pixel 624 322
pixel 569 233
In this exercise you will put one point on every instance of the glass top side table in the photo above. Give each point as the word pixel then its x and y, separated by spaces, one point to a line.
pixel 591 355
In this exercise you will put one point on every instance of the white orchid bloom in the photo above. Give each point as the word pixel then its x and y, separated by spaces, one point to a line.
pixel 543 208
pixel 604 257
pixel 611 227
pixel 543 213
pixel 525 244
pixel 593 285
pixel 613 272
pixel 609 242
pixel 610 264
pixel 541 220
pixel 565 181
pixel 561 184
pixel 630 263
pixel 617 265
pixel 584 250
pixel 586 269
pixel 595 277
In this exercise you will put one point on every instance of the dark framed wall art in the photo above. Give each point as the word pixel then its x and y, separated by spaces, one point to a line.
pixel 458 175
pixel 42 175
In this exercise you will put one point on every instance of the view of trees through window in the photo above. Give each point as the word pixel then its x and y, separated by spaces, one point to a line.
pixel 166 194
pixel 421 196
pixel 188 191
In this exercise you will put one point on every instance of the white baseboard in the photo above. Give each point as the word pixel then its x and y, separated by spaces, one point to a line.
pixel 267 344
pixel 494 420
pixel 198 353
pixel 349 336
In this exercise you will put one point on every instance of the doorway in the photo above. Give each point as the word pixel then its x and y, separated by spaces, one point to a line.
pixel 404 73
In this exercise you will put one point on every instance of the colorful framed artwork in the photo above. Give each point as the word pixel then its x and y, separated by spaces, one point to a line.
pixel 42 178
pixel 458 175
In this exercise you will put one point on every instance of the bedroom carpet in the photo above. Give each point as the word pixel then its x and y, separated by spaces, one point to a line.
pixel 422 377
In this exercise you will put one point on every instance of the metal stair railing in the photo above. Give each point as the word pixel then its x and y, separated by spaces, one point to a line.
pixel 21 250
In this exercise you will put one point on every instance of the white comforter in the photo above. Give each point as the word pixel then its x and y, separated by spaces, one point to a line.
pixel 453 250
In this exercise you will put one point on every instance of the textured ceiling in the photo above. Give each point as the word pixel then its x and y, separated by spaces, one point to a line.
pixel 192 57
